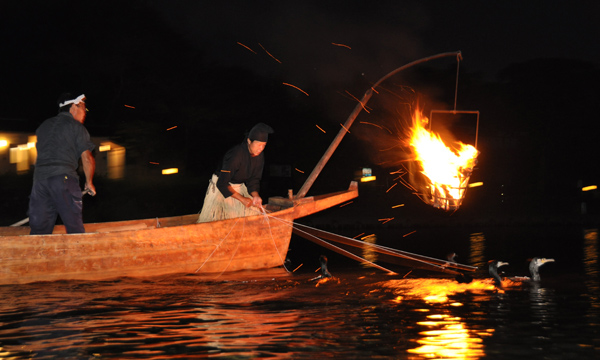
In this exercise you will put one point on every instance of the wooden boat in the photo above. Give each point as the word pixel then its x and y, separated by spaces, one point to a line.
pixel 159 246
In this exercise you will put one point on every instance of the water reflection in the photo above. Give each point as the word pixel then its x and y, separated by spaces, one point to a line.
pixel 590 259
pixel 444 334
pixel 477 250
pixel 543 304
pixel 359 313
pixel 447 337
pixel 590 266
pixel 368 252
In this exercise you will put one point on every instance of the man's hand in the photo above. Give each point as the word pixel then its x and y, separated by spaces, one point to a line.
pixel 90 189
pixel 257 201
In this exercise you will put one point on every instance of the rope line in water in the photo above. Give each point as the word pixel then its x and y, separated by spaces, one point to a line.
pixel 217 246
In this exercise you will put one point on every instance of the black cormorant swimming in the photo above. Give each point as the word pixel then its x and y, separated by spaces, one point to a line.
pixel 324 272
pixel 493 269
pixel 534 266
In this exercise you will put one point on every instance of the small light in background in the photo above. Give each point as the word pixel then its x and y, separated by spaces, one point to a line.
pixel 367 178
pixel 3 143
pixel 170 171
pixel 103 148
pixel 588 188
pixel 367 175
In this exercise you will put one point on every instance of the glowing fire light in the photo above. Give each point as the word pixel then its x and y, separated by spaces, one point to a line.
pixel 446 170
pixel 368 178
pixel 170 171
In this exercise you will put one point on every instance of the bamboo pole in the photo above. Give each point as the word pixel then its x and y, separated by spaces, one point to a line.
pixel 336 141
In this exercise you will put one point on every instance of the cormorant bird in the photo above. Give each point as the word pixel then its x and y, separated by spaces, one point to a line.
pixel 451 257
pixel 324 272
pixel 534 266
pixel 462 278
pixel 493 269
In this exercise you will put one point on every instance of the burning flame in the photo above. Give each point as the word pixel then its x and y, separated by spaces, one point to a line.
pixel 446 170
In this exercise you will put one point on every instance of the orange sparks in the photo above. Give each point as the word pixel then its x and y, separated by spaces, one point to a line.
pixel 348 203
pixel 154 163
pixel 321 129
pixel 342 125
pixel 297 88
pixel 298 170
pixel 397 206
pixel 299 266
pixel 412 232
pixel 129 106
pixel 386 220
pixel 269 53
pixel 391 187
pixel 225 171
pixel 357 99
pixel 379 126
pixel 239 43
pixel 172 127
pixel 342 45
pixel 361 234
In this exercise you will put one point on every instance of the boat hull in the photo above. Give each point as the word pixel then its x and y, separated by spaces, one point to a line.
pixel 161 246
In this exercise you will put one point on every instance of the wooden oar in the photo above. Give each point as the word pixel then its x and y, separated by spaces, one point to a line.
pixel 437 264
pixel 26 220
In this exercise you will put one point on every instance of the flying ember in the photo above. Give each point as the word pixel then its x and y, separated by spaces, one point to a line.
pixel 446 171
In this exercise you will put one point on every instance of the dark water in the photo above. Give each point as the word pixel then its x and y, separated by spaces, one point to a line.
pixel 359 313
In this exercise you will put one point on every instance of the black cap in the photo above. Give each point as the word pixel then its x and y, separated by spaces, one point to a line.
pixel 260 132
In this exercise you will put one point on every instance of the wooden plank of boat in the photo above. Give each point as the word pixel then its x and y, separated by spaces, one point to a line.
pixel 159 246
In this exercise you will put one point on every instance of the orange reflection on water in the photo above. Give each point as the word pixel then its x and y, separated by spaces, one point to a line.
pixel 447 337
pixel 436 290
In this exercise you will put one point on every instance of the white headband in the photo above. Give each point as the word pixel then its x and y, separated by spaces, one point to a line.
pixel 77 100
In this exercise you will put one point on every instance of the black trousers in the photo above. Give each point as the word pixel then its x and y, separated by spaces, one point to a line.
pixel 56 195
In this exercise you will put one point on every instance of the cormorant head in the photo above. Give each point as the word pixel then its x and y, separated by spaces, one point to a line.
pixel 534 266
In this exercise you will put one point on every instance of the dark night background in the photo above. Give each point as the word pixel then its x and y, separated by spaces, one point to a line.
pixel 530 68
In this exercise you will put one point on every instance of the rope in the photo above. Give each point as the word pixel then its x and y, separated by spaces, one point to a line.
pixel 266 215
pixel 217 246
pixel 458 58
pixel 334 247
pixel 236 248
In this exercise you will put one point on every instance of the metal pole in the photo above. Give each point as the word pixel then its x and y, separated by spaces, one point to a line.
pixel 334 144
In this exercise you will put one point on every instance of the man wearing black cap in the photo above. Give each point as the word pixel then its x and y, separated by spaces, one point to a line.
pixel 235 186
pixel 61 141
